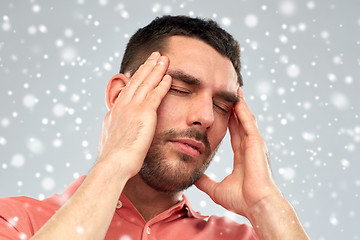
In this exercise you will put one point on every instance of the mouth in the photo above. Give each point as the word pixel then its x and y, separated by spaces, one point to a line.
pixel 190 147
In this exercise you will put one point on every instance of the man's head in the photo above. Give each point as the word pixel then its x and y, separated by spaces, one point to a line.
pixel 154 36
pixel 192 118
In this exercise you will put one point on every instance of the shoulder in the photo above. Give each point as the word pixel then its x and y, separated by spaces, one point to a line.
pixel 24 205
pixel 227 228
pixel 23 215
pixel 215 227
pixel 14 207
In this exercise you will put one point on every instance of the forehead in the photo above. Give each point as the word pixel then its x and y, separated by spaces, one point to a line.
pixel 200 60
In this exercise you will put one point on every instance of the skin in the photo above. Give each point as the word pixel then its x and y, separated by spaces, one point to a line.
pixel 195 110
pixel 145 105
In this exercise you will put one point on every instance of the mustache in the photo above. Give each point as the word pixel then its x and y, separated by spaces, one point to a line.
pixel 192 133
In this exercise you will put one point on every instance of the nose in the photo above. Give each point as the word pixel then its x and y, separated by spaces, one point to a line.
pixel 201 112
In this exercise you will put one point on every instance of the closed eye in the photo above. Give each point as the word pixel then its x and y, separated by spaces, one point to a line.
pixel 179 91
pixel 224 108
pixel 221 109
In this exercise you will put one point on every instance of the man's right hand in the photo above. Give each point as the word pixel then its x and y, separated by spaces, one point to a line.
pixel 129 126
pixel 127 134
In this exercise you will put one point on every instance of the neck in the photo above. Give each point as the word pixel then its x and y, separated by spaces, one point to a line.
pixel 142 195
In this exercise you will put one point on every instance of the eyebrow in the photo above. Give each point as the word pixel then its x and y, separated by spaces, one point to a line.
pixel 186 78
pixel 191 80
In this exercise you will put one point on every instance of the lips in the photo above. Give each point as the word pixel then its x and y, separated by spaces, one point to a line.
pixel 189 146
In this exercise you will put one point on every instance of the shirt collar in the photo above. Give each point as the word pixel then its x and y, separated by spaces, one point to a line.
pixel 180 209
pixel 182 204
pixel 191 211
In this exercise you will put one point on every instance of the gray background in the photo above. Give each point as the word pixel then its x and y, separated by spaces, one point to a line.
pixel 301 70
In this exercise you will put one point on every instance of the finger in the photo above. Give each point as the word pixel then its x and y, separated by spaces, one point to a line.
pixel 146 68
pixel 206 185
pixel 140 75
pixel 245 116
pixel 159 92
pixel 235 134
pixel 152 80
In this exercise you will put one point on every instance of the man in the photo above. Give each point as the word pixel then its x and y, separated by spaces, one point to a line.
pixel 167 115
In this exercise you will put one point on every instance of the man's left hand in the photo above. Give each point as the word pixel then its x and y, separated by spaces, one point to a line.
pixel 250 180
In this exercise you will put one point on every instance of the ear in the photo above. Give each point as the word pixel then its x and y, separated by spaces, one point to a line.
pixel 115 85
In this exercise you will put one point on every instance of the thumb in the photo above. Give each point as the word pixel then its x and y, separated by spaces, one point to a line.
pixel 206 185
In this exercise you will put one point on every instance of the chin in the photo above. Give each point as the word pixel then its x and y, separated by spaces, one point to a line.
pixel 171 176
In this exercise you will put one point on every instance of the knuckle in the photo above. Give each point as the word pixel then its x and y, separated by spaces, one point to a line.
pixel 144 85
pixel 151 98
pixel 134 78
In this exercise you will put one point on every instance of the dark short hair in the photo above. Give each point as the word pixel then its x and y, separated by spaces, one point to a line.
pixel 153 38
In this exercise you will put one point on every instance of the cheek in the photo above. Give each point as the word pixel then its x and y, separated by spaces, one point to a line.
pixel 218 136
pixel 167 114
pixel 218 131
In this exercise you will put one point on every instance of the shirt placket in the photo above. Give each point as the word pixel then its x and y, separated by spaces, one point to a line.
pixel 147 235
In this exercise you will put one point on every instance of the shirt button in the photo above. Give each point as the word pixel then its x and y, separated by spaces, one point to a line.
pixel 148 231
pixel 119 204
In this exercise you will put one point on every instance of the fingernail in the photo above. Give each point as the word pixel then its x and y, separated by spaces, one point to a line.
pixel 161 60
pixel 154 55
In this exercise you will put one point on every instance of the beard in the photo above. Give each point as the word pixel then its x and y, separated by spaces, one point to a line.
pixel 175 174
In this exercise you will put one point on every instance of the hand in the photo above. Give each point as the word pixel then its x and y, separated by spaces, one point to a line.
pixel 127 133
pixel 250 181
pixel 129 126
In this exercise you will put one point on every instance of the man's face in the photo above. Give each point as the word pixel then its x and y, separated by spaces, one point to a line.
pixel 193 117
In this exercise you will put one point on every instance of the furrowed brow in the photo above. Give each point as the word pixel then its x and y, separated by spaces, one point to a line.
pixel 186 78
pixel 228 96
pixel 191 80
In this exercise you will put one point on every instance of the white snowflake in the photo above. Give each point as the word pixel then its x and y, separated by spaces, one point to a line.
pixel 17 160
pixel 287 8
pixel 251 20
pixel 48 183
pixel 293 71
